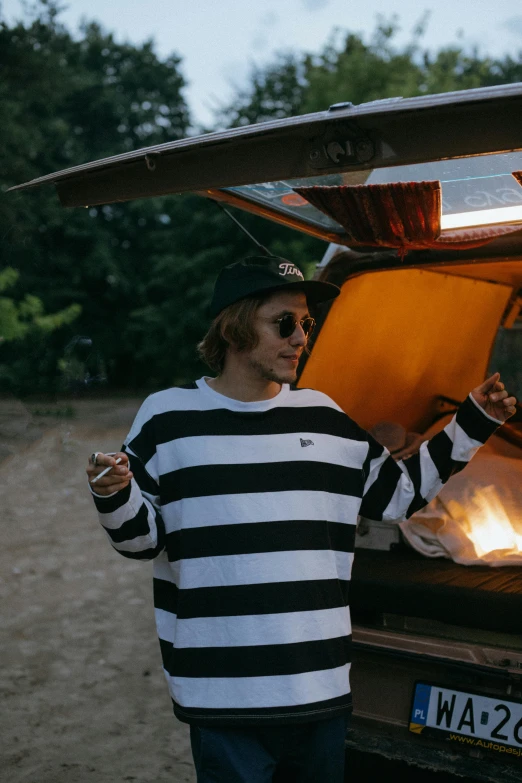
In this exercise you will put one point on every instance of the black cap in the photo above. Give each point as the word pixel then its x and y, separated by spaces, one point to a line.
pixel 263 275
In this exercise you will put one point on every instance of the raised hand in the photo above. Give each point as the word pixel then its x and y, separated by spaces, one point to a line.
pixel 494 399
pixel 117 478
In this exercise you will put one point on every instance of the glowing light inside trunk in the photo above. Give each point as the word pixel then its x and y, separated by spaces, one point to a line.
pixel 490 527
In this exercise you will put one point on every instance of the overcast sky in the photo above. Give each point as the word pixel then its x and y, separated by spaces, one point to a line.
pixel 219 40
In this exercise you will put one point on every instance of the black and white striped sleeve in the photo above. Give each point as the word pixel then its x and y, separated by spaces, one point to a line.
pixel 132 517
pixel 396 490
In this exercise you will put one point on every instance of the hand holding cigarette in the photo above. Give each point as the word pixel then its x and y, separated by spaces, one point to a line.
pixel 110 472
pixel 104 472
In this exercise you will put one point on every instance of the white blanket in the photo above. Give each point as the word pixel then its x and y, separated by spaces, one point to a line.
pixel 477 517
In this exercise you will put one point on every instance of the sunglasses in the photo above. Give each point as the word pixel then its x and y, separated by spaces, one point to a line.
pixel 288 323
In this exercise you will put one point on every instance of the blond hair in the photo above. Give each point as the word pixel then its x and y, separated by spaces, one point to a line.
pixel 233 326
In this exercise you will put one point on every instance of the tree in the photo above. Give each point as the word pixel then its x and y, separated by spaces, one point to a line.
pixel 275 92
pixel 350 68
pixel 138 275
pixel 64 101
pixel 27 320
pixel 134 267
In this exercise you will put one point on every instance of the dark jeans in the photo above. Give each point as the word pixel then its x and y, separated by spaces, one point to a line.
pixel 307 753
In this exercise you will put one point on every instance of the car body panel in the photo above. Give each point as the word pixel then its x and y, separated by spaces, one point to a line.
pixel 376 315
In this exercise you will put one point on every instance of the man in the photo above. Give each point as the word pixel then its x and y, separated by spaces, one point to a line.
pixel 245 492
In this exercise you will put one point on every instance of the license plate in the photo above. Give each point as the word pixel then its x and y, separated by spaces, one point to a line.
pixel 468 719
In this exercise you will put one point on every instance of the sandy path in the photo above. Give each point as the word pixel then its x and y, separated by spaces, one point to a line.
pixel 83 694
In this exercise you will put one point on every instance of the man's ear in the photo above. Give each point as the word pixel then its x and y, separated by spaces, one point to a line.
pixel 227 337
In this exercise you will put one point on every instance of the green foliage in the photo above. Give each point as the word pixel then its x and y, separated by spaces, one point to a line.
pixel 118 295
pixel 27 317
pixel 64 101
pixel 8 277
pixel 275 92
pixel 349 68
pixel 352 70
pixel 24 323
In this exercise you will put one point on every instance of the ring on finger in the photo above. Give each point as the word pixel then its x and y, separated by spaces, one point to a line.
pixel 94 458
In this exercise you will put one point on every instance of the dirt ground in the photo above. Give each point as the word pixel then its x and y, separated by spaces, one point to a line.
pixel 83 694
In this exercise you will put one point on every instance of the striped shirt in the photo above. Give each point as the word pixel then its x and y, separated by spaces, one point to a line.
pixel 248 511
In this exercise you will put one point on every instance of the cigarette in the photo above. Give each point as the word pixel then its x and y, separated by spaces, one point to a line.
pixel 104 472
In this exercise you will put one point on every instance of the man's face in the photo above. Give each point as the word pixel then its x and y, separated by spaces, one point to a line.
pixel 276 358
